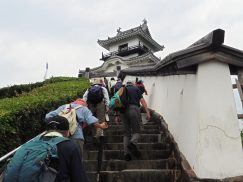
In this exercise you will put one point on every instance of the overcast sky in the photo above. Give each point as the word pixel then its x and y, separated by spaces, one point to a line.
pixel 64 33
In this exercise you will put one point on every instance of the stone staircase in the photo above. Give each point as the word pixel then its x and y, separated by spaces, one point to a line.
pixel 156 164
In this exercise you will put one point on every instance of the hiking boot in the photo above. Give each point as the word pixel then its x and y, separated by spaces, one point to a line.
pixel 133 149
pixel 127 157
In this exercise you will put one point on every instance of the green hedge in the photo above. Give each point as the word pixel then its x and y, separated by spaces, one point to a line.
pixel 15 90
pixel 21 118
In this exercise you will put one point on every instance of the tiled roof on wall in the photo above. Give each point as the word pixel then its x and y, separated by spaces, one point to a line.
pixel 210 47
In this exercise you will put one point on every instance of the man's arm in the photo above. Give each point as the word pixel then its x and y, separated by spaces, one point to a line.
pixel 144 104
pixel 85 96
pixel 90 119
pixel 102 125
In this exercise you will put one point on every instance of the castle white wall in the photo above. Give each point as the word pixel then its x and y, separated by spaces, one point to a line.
pixel 113 63
pixel 201 115
pixel 130 42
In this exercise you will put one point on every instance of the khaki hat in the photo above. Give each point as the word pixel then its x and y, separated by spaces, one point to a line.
pixel 96 81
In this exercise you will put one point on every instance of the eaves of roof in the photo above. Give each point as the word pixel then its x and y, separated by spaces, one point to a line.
pixel 148 55
pixel 131 33
pixel 207 48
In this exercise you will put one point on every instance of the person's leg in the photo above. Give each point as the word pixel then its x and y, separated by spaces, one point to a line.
pixel 135 118
pixel 79 143
pixel 100 114
pixel 92 108
pixel 126 135
pixel 100 111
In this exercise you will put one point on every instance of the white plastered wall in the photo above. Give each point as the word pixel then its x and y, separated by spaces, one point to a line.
pixel 130 42
pixel 113 63
pixel 201 115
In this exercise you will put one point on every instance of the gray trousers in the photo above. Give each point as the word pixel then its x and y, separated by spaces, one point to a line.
pixel 131 121
pixel 98 111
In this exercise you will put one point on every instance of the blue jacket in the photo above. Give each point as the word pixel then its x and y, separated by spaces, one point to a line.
pixel 84 115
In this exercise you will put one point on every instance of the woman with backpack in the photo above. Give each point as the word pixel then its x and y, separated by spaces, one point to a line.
pixel 98 100
pixel 82 115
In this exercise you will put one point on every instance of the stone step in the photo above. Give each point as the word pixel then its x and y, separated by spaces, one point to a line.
pixel 118 165
pixel 119 154
pixel 137 175
pixel 119 146
pixel 120 123
pixel 120 132
pixel 115 127
pixel 145 138
pixel 155 163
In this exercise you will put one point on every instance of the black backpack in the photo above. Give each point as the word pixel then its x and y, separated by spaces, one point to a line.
pixel 95 94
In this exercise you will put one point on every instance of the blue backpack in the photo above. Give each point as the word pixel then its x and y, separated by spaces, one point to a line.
pixel 120 100
pixel 95 94
pixel 31 162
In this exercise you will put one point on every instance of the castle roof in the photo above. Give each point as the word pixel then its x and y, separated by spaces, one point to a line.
pixel 147 60
pixel 141 31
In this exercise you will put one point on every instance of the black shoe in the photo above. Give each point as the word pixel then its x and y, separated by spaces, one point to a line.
pixel 134 150
pixel 127 157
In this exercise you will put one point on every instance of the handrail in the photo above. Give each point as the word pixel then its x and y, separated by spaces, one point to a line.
pixel 6 156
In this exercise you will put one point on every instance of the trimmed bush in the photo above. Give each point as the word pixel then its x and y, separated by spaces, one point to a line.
pixel 21 118
pixel 16 90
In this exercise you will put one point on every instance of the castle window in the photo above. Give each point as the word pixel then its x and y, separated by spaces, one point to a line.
pixel 123 47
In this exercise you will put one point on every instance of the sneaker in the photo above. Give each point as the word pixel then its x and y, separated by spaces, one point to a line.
pixel 133 149
pixel 127 157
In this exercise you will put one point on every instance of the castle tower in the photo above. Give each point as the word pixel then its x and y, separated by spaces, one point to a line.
pixel 129 48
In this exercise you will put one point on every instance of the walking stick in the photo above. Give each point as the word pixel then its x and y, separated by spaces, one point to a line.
pixel 100 156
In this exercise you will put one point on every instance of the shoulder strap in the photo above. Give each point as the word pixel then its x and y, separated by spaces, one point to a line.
pixel 78 107
pixel 68 106
pixel 57 140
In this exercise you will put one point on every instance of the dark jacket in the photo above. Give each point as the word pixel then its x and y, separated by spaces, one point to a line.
pixel 134 95
pixel 69 164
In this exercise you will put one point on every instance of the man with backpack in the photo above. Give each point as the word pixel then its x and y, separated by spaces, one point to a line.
pixel 47 158
pixel 83 117
pixel 131 120
pixel 116 87
pixel 97 98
